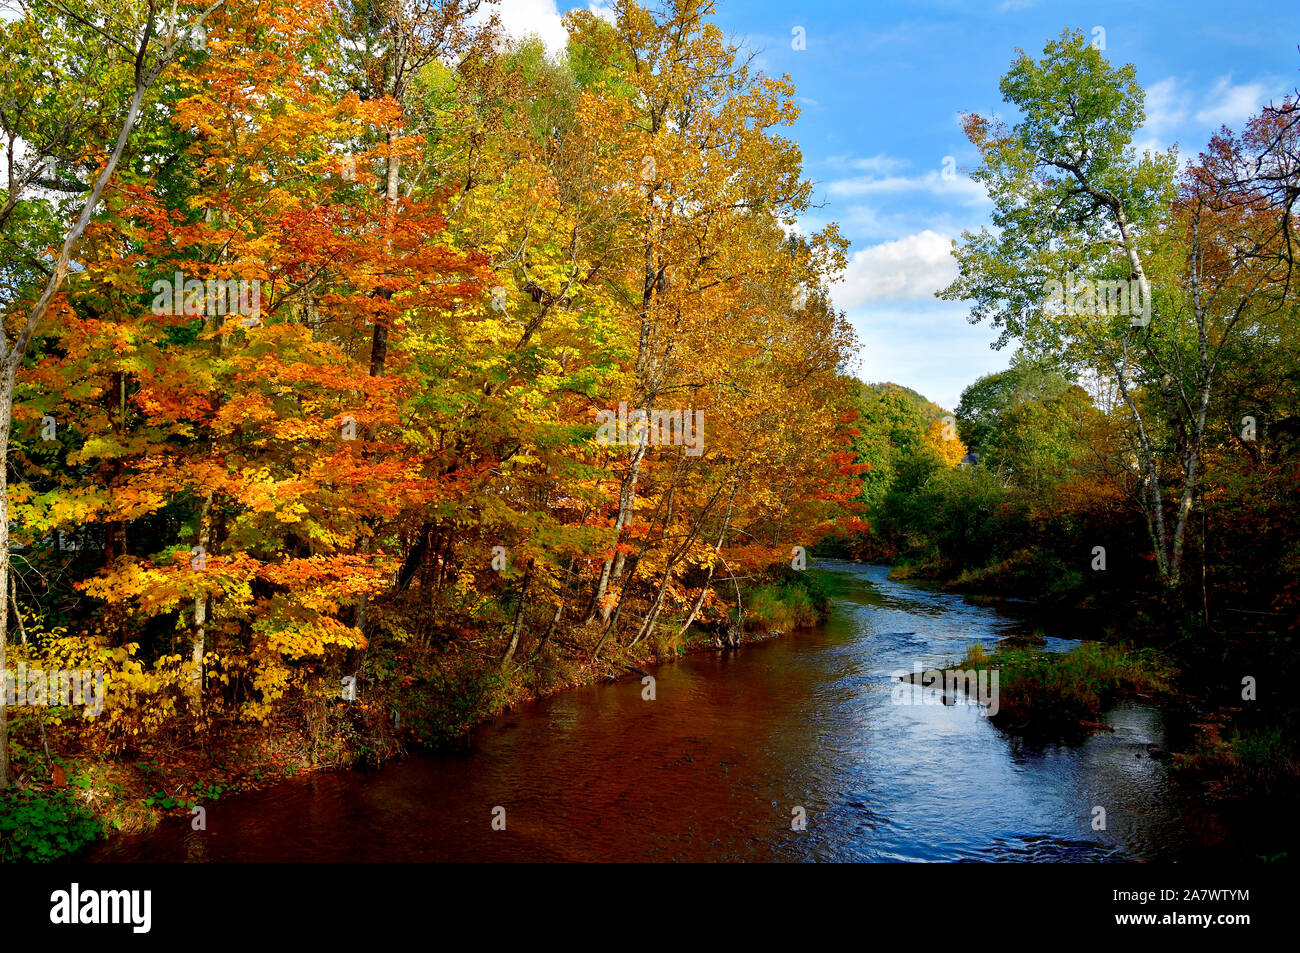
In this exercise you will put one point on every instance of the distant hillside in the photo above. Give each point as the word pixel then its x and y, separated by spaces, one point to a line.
pixel 925 407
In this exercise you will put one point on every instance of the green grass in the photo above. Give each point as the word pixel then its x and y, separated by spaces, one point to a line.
pixel 797 602
pixel 1064 691
pixel 1029 572
pixel 1256 763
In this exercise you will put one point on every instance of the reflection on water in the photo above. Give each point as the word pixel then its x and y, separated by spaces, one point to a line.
pixel 715 766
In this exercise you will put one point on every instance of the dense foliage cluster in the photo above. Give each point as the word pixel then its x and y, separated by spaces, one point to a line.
pixel 398 464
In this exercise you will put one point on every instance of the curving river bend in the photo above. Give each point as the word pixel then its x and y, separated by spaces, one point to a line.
pixel 714 766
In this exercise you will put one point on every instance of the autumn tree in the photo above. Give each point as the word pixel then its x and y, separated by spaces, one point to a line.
pixel 116 58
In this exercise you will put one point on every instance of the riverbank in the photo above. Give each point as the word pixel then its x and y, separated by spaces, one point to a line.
pixel 713 767
pixel 74 795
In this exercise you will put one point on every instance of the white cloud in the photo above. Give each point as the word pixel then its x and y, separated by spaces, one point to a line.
pixel 877 165
pixel 523 18
pixel 541 18
pixel 909 268
pixel 1166 105
pixel 1229 105
pixel 1169 106
pixel 957 187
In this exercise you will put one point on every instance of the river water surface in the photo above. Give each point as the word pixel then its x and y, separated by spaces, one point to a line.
pixel 716 765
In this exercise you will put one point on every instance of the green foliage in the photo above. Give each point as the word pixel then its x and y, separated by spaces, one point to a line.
pixel 923 407
pixel 1267 758
pixel 892 423
pixel 961 513
pixel 1025 421
pixel 1260 762
pixel 447 701
pixel 43 827
pixel 1078 116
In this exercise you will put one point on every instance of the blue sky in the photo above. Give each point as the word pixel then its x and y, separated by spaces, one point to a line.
pixel 882 85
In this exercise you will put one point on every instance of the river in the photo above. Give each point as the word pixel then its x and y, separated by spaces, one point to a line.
pixel 733 748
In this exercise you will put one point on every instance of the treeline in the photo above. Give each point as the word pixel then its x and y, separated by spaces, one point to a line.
pixel 400 371
pixel 1043 509
pixel 1147 442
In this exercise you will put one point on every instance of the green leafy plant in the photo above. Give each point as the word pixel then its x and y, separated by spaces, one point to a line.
pixel 44 827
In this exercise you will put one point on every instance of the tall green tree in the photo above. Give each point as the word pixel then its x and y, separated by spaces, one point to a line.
pixel 1092 257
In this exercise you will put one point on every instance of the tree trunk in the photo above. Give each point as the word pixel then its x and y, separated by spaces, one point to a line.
pixel 518 626
pixel 1192 458
pixel 379 340
pixel 199 644
pixel 646 380
pixel 652 618
pixel 6 412
pixel 626 498
pixel 708 578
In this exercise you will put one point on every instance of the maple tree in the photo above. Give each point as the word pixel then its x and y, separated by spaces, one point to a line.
pixel 136 46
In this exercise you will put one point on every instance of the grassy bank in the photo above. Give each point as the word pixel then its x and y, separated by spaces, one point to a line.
pixel 1242 765
pixel 1023 575
pixel 795 601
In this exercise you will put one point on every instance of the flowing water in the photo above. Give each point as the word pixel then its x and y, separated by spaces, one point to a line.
pixel 733 743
